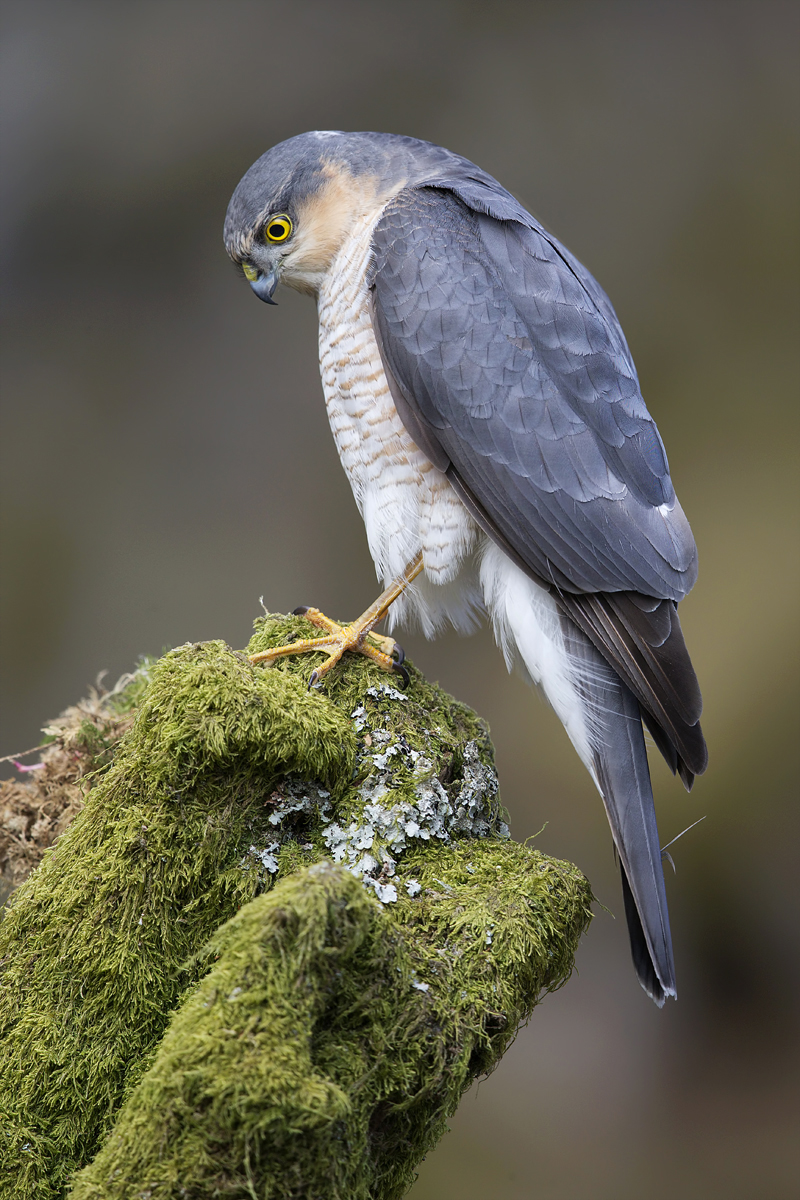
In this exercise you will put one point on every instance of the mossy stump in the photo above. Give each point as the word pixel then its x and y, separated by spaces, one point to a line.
pixel 284 934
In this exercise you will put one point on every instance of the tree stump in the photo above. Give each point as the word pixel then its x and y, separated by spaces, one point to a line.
pixel 283 935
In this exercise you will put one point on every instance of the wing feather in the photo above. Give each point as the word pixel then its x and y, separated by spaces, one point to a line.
pixel 505 382
pixel 510 371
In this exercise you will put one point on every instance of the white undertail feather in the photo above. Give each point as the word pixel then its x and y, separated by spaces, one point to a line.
pixel 527 625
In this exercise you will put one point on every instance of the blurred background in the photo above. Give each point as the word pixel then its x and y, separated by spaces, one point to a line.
pixel 166 461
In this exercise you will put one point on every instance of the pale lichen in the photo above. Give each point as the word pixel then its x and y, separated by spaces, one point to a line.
pixel 390 822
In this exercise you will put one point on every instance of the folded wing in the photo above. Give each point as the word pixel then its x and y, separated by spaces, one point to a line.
pixel 510 371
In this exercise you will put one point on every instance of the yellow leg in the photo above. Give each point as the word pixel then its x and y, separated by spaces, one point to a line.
pixel 349 637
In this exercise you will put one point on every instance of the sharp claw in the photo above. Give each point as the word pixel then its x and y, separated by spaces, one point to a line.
pixel 398 654
pixel 301 611
pixel 402 672
pixel 313 679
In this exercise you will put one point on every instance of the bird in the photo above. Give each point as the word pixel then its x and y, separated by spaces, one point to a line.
pixel 488 415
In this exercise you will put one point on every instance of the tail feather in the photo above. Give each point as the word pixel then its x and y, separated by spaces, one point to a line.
pixel 641 639
pixel 640 952
pixel 622 774
pixel 603 719
pixel 628 798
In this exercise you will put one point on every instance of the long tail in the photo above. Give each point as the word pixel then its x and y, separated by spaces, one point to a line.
pixel 603 720
pixel 622 775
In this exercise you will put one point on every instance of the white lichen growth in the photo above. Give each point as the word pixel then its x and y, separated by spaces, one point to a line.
pixel 386 689
pixel 401 800
pixel 268 856
pixel 415 806
pixel 295 797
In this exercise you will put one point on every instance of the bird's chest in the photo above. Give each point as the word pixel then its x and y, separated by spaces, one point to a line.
pixel 370 437
pixel 407 504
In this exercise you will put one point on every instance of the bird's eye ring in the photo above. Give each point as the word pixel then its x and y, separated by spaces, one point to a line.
pixel 278 228
pixel 250 273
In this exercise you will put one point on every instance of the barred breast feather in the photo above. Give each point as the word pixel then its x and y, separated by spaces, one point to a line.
pixel 407 504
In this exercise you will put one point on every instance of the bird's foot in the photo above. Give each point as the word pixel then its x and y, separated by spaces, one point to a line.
pixel 357 637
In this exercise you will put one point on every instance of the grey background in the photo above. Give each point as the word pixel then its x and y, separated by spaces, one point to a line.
pixel 166 461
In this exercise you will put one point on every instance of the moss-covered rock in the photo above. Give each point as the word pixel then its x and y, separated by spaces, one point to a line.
pixel 320 886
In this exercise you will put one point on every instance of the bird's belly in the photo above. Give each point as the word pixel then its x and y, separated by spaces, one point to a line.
pixel 407 504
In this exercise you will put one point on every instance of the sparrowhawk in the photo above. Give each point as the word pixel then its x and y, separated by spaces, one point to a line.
pixel 488 415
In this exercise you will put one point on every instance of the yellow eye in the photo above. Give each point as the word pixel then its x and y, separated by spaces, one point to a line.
pixel 278 228
pixel 250 273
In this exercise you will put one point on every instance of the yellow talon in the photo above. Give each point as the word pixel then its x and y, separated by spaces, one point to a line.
pixel 356 637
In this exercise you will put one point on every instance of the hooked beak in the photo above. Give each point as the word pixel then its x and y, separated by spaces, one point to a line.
pixel 264 287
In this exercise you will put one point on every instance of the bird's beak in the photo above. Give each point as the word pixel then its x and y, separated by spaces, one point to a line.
pixel 264 287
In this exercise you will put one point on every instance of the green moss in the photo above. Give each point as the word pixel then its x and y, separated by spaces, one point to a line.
pixel 323 1034
pixel 322 1054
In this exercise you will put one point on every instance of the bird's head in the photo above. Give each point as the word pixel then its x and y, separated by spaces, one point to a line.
pixel 293 209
